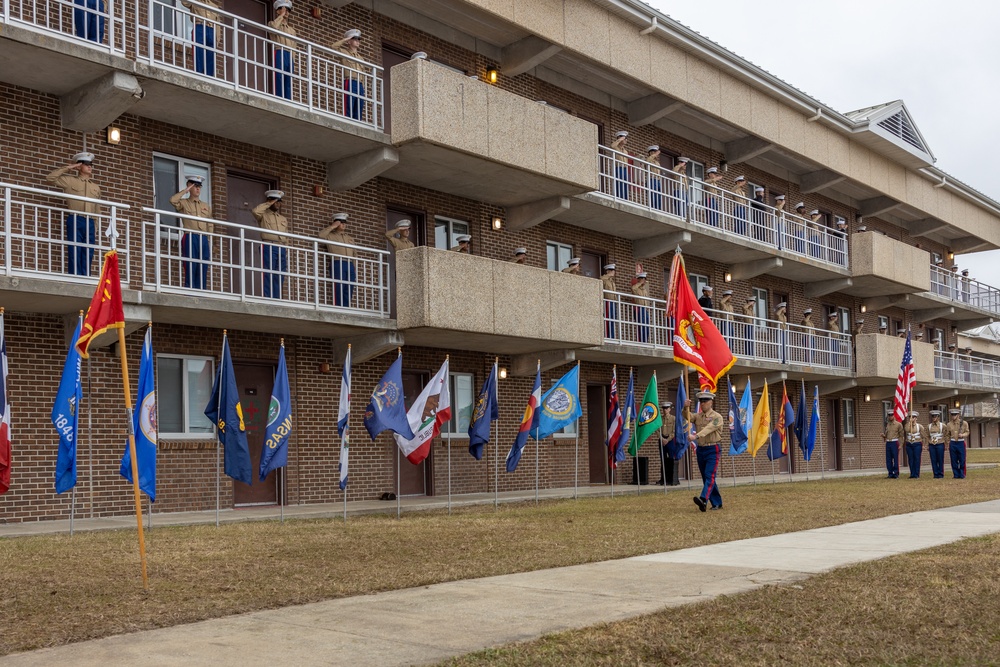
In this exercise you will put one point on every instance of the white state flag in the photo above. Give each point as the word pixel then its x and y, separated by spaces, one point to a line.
pixel 431 409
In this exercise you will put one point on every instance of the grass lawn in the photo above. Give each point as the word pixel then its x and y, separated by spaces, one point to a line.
pixel 933 607
pixel 59 589
pixel 979 456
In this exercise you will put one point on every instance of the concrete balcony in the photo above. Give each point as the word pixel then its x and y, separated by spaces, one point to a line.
pixel 454 300
pixel 966 372
pixel 879 358
pixel 465 137
pixel 884 266
pixel 969 302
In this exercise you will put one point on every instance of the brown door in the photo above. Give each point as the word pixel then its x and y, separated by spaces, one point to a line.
pixel 255 382
pixel 413 479
pixel 390 57
pixel 591 264
pixel 244 192
pixel 251 70
pixel 597 430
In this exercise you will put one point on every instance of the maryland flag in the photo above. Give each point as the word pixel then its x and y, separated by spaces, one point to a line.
pixel 105 310
pixel 697 342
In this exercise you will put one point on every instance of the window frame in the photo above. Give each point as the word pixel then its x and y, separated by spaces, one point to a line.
pixel 557 245
pixel 760 305
pixel 697 182
pixel 850 418
pixel 453 423
pixel 452 233
pixel 697 281
pixel 844 319
pixel 187 434
pixel 182 164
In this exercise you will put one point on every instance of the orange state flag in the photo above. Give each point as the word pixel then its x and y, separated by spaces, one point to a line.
pixel 697 342
pixel 105 310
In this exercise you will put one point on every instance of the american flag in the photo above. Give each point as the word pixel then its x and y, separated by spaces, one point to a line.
pixel 614 419
pixel 905 383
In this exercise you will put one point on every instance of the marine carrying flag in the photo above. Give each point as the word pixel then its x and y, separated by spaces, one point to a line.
pixel 343 416
pixel 386 410
pixel 760 432
pixel 5 449
pixel 560 404
pixel 697 342
pixel 226 413
pixel 737 427
pixel 614 419
pixel 628 422
pixel 430 409
pixel 528 423
pixel 105 310
pixel 778 446
pixel 810 442
pixel 274 453
pixel 648 419
pixel 144 424
pixel 486 412
pixel 65 415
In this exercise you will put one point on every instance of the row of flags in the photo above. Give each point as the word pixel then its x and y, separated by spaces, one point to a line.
pixel 750 429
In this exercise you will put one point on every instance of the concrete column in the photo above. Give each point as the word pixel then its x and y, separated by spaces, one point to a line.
pixel 365 347
pixel 350 172
pixel 524 216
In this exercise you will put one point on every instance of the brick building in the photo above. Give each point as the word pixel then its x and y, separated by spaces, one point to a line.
pixel 502 132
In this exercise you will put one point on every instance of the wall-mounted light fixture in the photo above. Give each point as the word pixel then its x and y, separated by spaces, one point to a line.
pixel 728 277
pixel 497 222
pixel 492 73
pixel 114 135
pixel 324 367
pixel 951 255
pixel 864 308
pixel 868 398
pixel 503 373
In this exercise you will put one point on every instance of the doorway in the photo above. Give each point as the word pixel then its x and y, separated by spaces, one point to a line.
pixel 597 429
pixel 390 58
pixel 255 382
pixel 243 193
pixel 251 69
pixel 414 480
pixel 831 455
pixel 591 264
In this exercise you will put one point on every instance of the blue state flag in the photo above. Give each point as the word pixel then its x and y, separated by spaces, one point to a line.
pixel 225 411
pixel 66 417
pixel 486 412
pixel 560 404
pixel 746 410
pixel 800 418
pixel 682 427
pixel 810 443
pixel 628 421
pixel 386 410
pixel 274 453
pixel 144 423
pixel 738 438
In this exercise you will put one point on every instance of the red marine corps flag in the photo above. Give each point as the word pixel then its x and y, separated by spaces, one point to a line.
pixel 697 342
pixel 105 311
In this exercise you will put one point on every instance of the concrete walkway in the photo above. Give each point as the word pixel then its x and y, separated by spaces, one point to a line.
pixel 429 624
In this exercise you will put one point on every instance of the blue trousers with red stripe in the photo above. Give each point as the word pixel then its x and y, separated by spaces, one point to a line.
pixel 708 464
pixel 956 451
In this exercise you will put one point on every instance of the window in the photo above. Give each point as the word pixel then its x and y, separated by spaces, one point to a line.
pixel 558 255
pixel 697 282
pixel 883 323
pixel 170 177
pixel 936 258
pixel 171 19
pixel 938 340
pixel 760 303
pixel 447 230
pixel 696 170
pixel 848 417
pixel 886 411
pixel 897 327
pixel 184 386
pixel 844 319
pixel 751 187
pixel 463 400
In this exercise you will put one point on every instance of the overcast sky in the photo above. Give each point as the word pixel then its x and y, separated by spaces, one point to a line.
pixel 940 57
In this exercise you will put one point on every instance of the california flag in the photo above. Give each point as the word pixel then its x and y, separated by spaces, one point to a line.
pixel 431 409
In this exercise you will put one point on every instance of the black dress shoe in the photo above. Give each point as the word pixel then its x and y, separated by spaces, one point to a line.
pixel 700 502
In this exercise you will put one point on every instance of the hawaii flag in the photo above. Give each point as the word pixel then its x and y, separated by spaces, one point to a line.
pixel 431 409
pixel 697 342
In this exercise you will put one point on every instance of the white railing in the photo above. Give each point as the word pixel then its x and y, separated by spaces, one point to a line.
pixel 644 321
pixel 654 188
pixel 96 23
pixel 245 55
pixel 233 263
pixel 964 290
pixel 966 370
pixel 40 235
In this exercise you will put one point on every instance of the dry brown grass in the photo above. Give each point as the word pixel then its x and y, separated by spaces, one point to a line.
pixel 981 456
pixel 935 607
pixel 58 589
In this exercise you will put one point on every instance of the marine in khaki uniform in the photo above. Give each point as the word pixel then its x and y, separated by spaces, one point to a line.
pixel 913 431
pixel 80 225
pixel 399 238
pixel 342 268
pixel 622 166
pixel 708 427
pixel 196 244
pixel 640 292
pixel 354 73
pixel 573 266
pixel 831 323
pixel 520 255
pixel 892 435
pixel 610 301
pixel 204 34
pixel 275 253
pixel 284 35
pixel 726 316
pixel 782 318
pixel 807 318
pixel 666 443
pixel 463 241
pixel 936 434
pixel 958 436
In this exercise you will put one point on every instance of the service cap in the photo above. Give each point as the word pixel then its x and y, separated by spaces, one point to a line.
pixel 84 157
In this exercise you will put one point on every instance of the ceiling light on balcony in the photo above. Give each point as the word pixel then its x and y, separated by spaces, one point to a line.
pixel 492 73
pixel 114 135
pixel 951 255
pixel 497 222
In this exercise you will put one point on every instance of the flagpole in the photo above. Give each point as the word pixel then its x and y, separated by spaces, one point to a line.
pixel 90 440
pixel 537 456
pixel 822 454
pixel 131 448
pixel 496 443
pixel 72 510
pixel 347 427
pixel 279 480
pixel 449 468
pixel 218 445
pixel 398 464
pixel 733 459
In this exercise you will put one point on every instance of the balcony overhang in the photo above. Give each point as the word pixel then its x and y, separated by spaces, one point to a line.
pixel 468 138
pixel 965 313
pixel 883 266
pixel 55 294
pixel 503 307
pixel 878 358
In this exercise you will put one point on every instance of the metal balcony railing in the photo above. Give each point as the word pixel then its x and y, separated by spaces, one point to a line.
pixel 235 264
pixel 99 24
pixel 245 55
pixel 644 321
pixel 966 370
pixel 38 241
pixel 650 186
pixel 964 290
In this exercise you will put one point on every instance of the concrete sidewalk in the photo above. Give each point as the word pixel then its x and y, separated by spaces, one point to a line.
pixel 429 624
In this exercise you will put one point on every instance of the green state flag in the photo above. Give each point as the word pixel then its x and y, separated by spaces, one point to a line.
pixel 647 419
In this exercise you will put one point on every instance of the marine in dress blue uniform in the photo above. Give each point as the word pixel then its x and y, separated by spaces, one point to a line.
pixel 708 426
